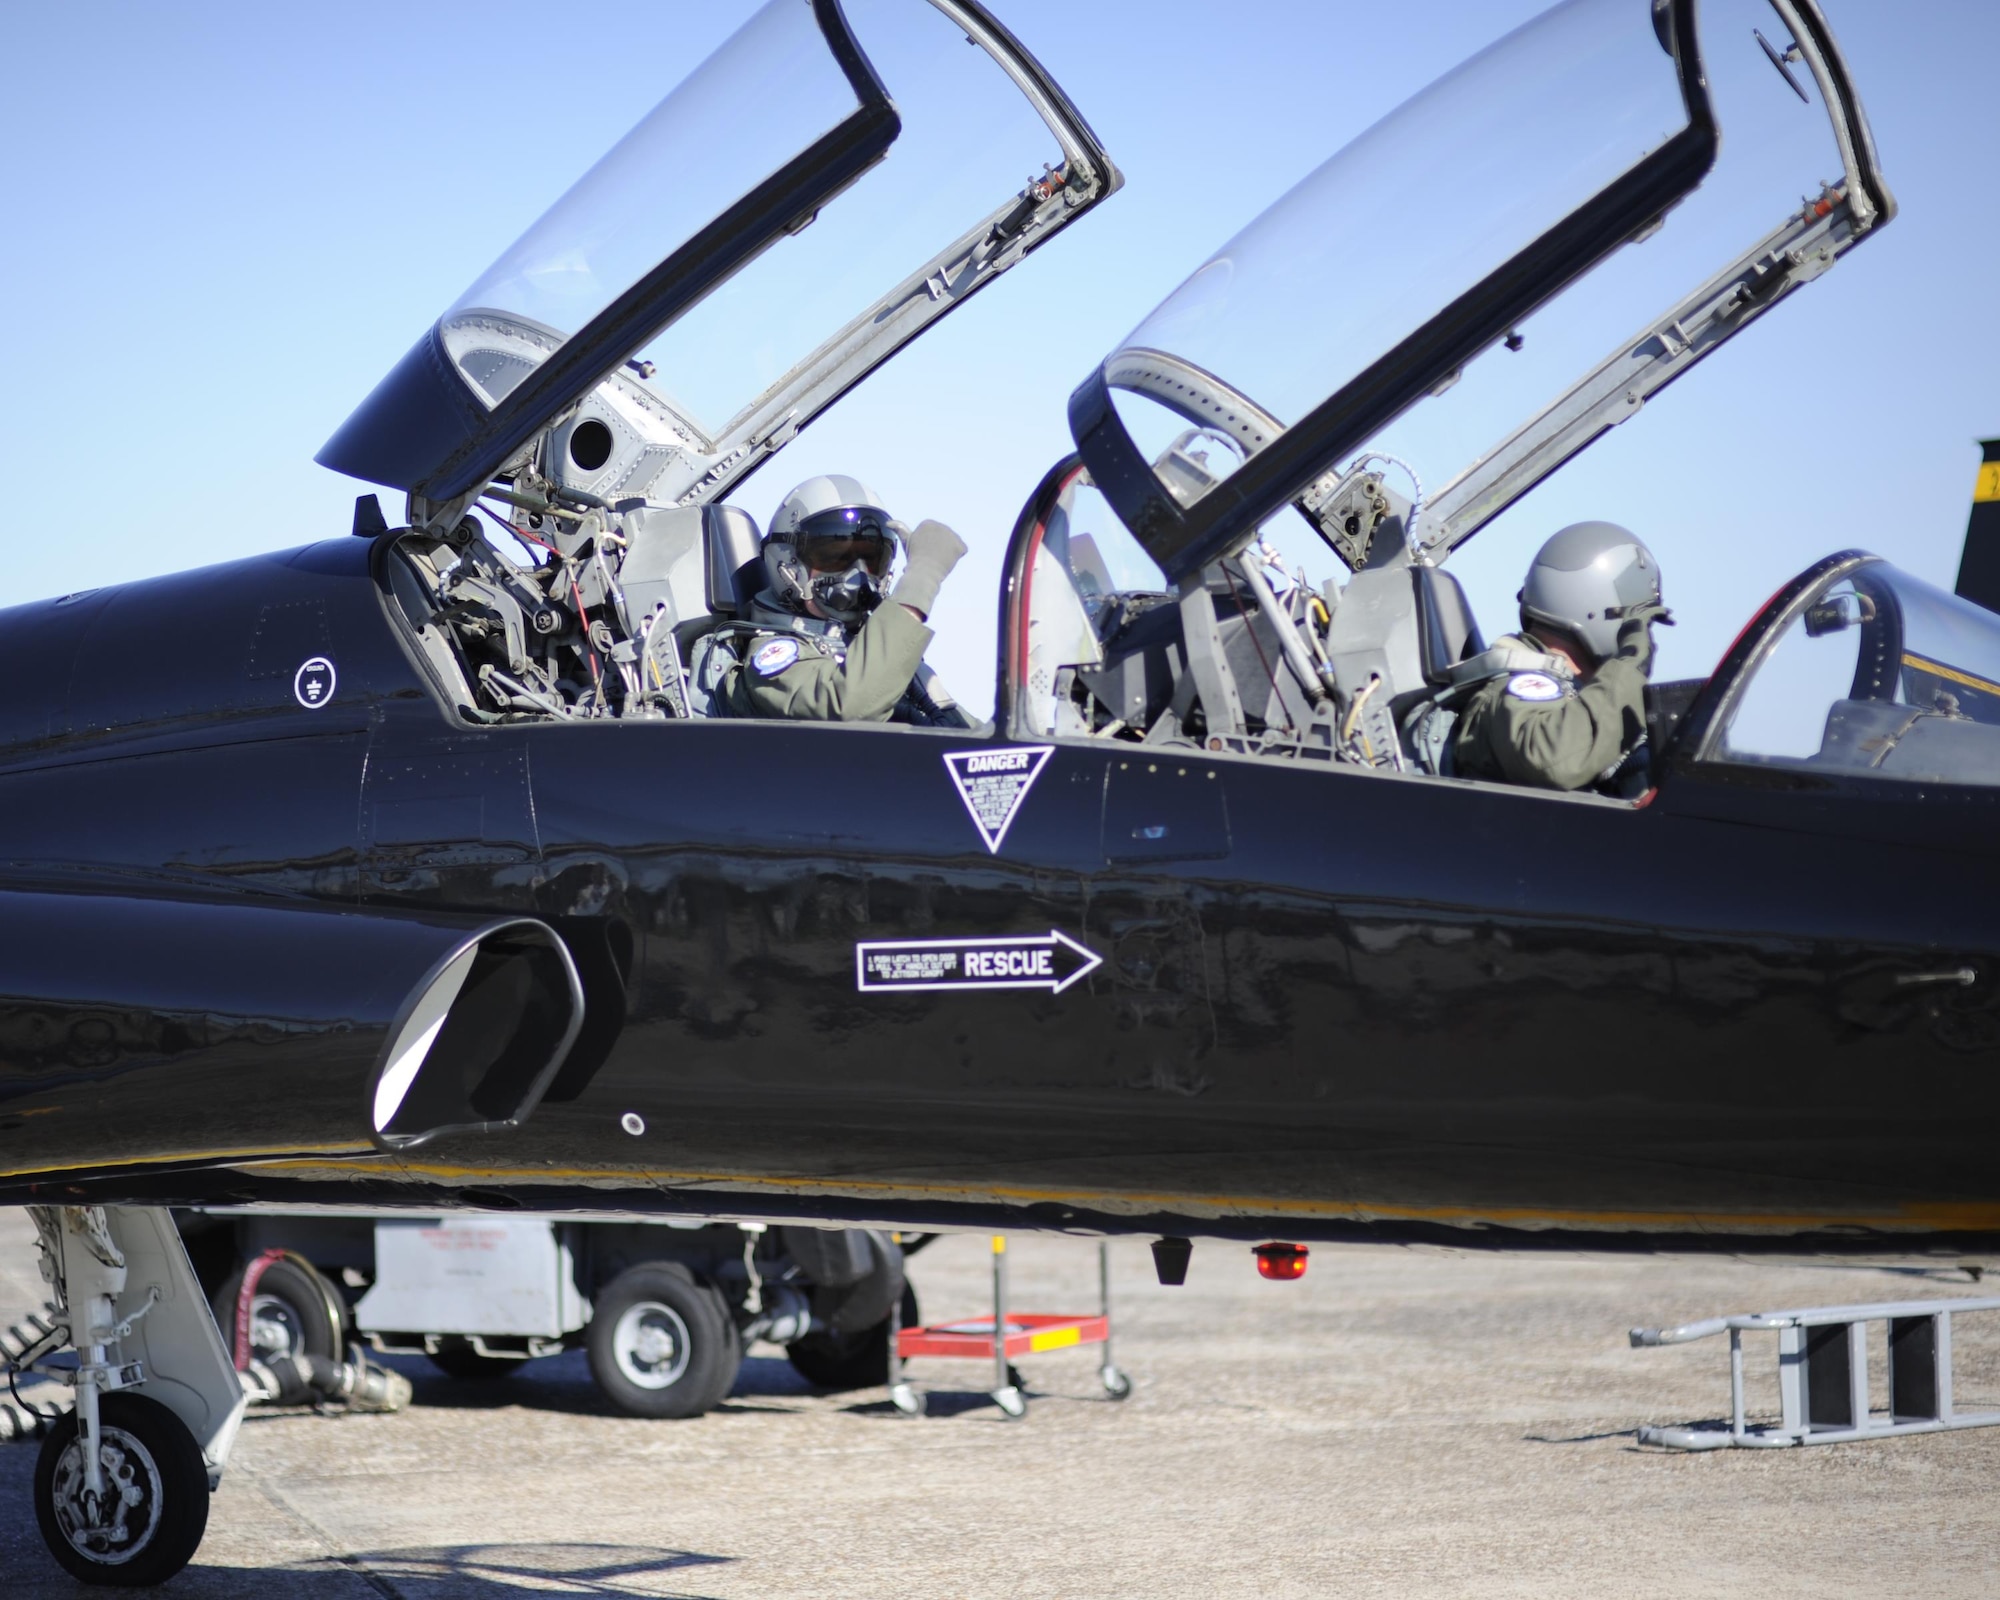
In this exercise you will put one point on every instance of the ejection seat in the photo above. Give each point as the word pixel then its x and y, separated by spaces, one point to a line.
pixel 701 562
pixel 1409 626
pixel 1399 638
pixel 699 568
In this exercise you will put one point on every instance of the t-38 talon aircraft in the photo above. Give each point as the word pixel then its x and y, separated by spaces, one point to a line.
pixel 327 869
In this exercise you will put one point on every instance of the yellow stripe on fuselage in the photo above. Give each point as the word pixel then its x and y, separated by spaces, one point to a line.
pixel 182 1157
pixel 1914 1217
pixel 1987 486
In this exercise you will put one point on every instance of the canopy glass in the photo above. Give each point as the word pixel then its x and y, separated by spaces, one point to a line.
pixel 1878 673
pixel 1422 208
pixel 766 236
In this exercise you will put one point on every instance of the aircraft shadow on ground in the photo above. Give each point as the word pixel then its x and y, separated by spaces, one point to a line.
pixel 420 1572
pixel 490 1571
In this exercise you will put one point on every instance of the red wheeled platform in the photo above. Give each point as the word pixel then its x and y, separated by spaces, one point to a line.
pixel 1027 1335
pixel 1019 1333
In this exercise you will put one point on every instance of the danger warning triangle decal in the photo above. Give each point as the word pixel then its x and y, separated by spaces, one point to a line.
pixel 993 783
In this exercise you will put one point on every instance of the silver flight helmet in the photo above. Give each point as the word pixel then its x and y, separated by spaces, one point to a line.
pixel 831 542
pixel 1586 580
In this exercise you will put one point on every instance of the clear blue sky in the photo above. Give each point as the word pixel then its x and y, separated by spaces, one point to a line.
pixel 227 221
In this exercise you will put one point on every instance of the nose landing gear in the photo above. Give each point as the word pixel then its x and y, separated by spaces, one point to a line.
pixel 122 1484
pixel 146 1521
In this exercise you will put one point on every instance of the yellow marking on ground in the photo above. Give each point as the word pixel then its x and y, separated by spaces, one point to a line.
pixel 1919 1216
pixel 1987 485
pixel 1984 686
pixel 1054 1339
pixel 257 1155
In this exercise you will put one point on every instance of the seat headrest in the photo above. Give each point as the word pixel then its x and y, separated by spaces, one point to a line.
pixel 735 559
pixel 1447 631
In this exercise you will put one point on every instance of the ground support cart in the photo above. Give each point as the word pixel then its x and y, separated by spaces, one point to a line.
pixel 1823 1393
pixel 665 1307
pixel 1020 1333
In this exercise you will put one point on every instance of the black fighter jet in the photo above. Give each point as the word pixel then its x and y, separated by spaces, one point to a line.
pixel 419 868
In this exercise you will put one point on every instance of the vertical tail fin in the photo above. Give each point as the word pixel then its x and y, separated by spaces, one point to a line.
pixel 1979 564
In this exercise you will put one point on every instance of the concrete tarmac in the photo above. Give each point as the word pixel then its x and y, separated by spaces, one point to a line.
pixel 1401 1422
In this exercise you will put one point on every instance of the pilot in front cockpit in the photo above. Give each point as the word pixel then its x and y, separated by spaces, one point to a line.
pixel 1566 707
pixel 824 646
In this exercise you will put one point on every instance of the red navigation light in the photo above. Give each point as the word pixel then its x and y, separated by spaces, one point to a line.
pixel 1281 1262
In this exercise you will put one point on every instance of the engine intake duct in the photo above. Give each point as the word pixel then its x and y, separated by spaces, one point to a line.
pixel 147 1032
pixel 480 1039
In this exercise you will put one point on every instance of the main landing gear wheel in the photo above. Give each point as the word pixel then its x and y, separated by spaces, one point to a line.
pixel 662 1345
pixel 1117 1383
pixel 154 1509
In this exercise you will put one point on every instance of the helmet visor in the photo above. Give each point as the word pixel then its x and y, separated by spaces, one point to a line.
pixel 833 541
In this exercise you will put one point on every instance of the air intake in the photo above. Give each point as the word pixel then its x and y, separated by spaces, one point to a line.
pixel 479 1038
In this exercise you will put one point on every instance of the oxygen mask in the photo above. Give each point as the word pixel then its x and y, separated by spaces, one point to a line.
pixel 848 596
pixel 847 552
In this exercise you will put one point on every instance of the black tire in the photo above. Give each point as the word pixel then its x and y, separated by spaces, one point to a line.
pixel 456 1358
pixel 660 1344
pixel 295 1312
pixel 153 1454
pixel 853 1360
pixel 732 1357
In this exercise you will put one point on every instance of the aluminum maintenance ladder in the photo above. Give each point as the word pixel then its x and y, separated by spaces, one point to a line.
pixel 1823 1395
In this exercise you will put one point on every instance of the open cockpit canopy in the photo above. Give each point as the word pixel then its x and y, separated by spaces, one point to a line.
pixel 701 275
pixel 829 183
pixel 1487 213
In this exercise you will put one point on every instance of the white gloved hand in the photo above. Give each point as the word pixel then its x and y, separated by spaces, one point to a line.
pixel 933 551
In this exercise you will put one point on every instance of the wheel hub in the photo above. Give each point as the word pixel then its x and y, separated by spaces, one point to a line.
pixel 115 1527
pixel 274 1328
pixel 651 1342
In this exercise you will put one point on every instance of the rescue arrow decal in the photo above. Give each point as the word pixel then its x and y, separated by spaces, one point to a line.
pixel 993 783
pixel 1053 962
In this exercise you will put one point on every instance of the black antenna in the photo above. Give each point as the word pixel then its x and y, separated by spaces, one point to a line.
pixel 1778 61
pixel 368 518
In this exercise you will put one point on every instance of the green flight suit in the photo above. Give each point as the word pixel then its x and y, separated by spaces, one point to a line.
pixel 1548 731
pixel 808 677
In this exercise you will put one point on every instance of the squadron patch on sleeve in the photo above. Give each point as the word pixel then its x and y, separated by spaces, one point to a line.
pixel 1534 686
pixel 772 658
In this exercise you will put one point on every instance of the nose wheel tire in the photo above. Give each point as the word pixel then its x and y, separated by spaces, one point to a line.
pixel 149 1521
pixel 662 1345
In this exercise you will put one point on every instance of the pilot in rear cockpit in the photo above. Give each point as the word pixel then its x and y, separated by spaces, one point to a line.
pixel 824 646
pixel 1566 707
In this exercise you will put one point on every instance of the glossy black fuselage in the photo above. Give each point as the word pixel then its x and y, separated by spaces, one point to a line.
pixel 1329 998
